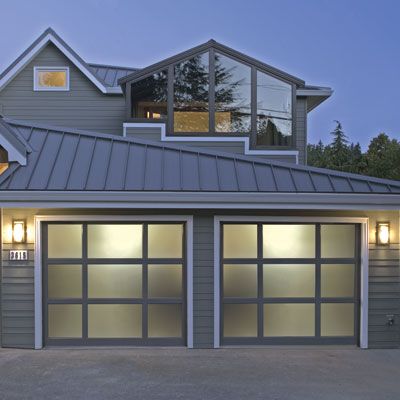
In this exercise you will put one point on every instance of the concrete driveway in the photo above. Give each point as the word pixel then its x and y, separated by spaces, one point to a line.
pixel 176 373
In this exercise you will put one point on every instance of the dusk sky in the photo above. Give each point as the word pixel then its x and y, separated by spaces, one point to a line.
pixel 353 46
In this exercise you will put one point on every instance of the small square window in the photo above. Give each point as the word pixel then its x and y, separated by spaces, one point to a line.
pixel 51 79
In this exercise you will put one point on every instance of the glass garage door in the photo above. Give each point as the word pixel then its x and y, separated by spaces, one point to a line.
pixel 114 283
pixel 289 283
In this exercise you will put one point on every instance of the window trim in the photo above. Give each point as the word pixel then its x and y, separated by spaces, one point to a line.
pixel 252 135
pixel 37 88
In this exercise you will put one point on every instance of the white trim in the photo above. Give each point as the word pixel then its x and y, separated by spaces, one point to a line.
pixel 38 88
pixel 13 153
pixel 325 92
pixel 32 53
pixel 199 200
pixel 286 219
pixel 245 140
pixel 188 219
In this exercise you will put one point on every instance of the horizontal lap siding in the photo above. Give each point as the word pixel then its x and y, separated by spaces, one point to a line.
pixel 82 107
pixel 203 276
pixel 384 296
pixel 301 129
pixel 17 298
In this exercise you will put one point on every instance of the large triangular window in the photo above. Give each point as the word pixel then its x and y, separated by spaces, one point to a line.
pixel 216 94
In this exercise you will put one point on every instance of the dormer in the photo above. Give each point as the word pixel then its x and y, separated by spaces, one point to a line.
pixel 213 94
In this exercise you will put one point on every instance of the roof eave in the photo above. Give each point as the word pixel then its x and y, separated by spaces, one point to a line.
pixel 50 36
pixel 315 96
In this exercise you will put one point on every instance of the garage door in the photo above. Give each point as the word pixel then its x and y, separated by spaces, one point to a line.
pixel 289 283
pixel 114 283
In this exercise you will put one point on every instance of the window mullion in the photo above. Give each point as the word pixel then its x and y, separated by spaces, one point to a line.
pixel 170 100
pixel 211 92
pixel 253 132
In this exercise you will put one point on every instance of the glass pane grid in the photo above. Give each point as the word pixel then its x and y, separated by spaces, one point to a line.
pixel 312 300
pixel 118 293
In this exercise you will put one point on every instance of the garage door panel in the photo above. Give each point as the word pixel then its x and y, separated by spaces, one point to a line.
pixel 289 283
pixel 121 283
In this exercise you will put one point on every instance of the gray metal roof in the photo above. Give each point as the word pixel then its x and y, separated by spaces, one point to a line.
pixel 109 74
pixel 73 160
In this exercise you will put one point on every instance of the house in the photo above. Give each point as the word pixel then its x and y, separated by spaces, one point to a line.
pixel 172 205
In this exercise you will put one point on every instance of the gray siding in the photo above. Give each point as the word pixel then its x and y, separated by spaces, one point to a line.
pixel 203 277
pixel 384 296
pixel 224 146
pixel 301 129
pixel 83 106
pixel 17 298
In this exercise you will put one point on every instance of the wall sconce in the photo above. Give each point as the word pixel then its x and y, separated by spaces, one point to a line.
pixel 382 233
pixel 19 231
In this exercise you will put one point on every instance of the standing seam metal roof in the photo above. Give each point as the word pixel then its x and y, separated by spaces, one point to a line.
pixel 109 74
pixel 73 160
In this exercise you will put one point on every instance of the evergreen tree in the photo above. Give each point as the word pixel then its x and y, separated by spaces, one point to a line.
pixel 338 151
pixel 316 155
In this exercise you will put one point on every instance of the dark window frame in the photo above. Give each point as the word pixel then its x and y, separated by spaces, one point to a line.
pixel 260 300
pixel 84 261
pixel 252 135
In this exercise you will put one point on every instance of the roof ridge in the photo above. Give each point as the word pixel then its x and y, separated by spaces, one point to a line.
pixel 197 150
pixel 112 66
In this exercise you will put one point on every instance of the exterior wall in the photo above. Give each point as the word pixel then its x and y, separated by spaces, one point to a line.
pixel 83 106
pixel 17 287
pixel 301 129
pixel 154 133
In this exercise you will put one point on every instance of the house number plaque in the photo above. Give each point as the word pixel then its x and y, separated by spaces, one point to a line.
pixel 18 255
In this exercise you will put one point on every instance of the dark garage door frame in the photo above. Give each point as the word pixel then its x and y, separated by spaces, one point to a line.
pixel 187 313
pixel 361 277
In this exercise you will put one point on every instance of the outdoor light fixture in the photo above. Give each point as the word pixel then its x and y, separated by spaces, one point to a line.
pixel 382 233
pixel 19 231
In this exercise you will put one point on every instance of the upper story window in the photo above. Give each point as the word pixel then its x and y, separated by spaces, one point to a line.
pixel 149 97
pixel 51 79
pixel 3 159
pixel 215 94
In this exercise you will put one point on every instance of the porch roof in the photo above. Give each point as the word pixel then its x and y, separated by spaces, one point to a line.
pixel 70 160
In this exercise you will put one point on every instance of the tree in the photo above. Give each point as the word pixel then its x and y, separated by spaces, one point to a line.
pixel 316 155
pixel 338 151
pixel 383 157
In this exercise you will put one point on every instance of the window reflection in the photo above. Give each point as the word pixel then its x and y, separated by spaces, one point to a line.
pixel 232 95
pixel 149 96
pixel 274 111
pixel 191 84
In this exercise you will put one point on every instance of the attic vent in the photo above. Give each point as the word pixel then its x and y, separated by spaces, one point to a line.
pixel 3 159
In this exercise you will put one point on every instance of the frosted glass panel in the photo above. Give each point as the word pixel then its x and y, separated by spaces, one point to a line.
pixel 115 241
pixel 64 281
pixel 337 319
pixel 64 241
pixel 240 320
pixel 114 320
pixel 65 321
pixel 289 320
pixel 240 280
pixel 114 281
pixel 165 281
pixel 288 241
pixel 337 241
pixel 165 320
pixel 337 280
pixel 240 241
pixel 289 280
pixel 165 241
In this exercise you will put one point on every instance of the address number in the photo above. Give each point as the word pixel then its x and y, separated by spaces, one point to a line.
pixel 18 255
